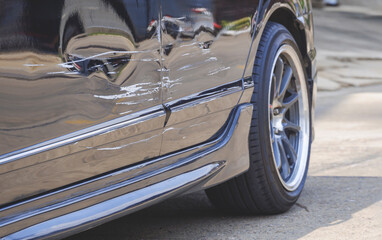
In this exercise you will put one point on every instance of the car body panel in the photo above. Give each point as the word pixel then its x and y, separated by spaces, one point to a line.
pixel 97 150
pixel 84 69
pixel 202 61
pixel 90 70
pixel 225 151
pixel 114 99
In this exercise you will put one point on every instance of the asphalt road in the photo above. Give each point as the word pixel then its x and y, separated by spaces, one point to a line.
pixel 342 198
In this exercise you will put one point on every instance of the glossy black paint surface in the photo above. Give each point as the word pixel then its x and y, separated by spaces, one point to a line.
pixel 201 56
pixel 88 87
pixel 68 65
pixel 68 70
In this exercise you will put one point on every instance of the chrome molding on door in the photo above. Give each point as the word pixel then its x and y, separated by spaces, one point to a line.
pixel 81 155
pixel 225 156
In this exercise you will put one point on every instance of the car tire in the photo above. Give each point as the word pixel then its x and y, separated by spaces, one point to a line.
pixel 280 132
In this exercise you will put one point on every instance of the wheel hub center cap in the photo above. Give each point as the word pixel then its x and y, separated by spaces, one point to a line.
pixel 277 117
pixel 278 123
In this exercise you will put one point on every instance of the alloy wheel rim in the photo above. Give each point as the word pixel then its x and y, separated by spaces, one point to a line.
pixel 288 117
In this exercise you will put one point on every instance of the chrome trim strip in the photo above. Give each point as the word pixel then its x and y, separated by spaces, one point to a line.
pixel 83 134
pixel 197 98
pixel 219 142
pixel 205 150
pixel 98 213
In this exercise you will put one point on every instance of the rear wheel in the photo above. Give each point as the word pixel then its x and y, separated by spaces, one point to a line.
pixel 280 135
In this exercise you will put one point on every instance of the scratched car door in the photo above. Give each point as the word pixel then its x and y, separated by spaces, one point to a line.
pixel 79 91
pixel 205 46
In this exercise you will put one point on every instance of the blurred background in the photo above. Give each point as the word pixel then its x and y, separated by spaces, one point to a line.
pixel 342 198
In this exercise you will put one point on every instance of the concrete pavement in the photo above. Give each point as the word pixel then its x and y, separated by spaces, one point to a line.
pixel 349 46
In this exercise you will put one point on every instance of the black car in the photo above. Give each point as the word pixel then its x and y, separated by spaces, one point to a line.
pixel 109 106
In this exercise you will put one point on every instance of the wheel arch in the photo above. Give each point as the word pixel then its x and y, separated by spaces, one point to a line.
pixel 284 15
pixel 296 18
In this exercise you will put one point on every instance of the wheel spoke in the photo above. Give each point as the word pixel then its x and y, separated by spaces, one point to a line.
pixel 274 86
pixel 279 68
pixel 276 152
pixel 285 168
pixel 288 73
pixel 288 125
pixel 288 102
pixel 289 149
